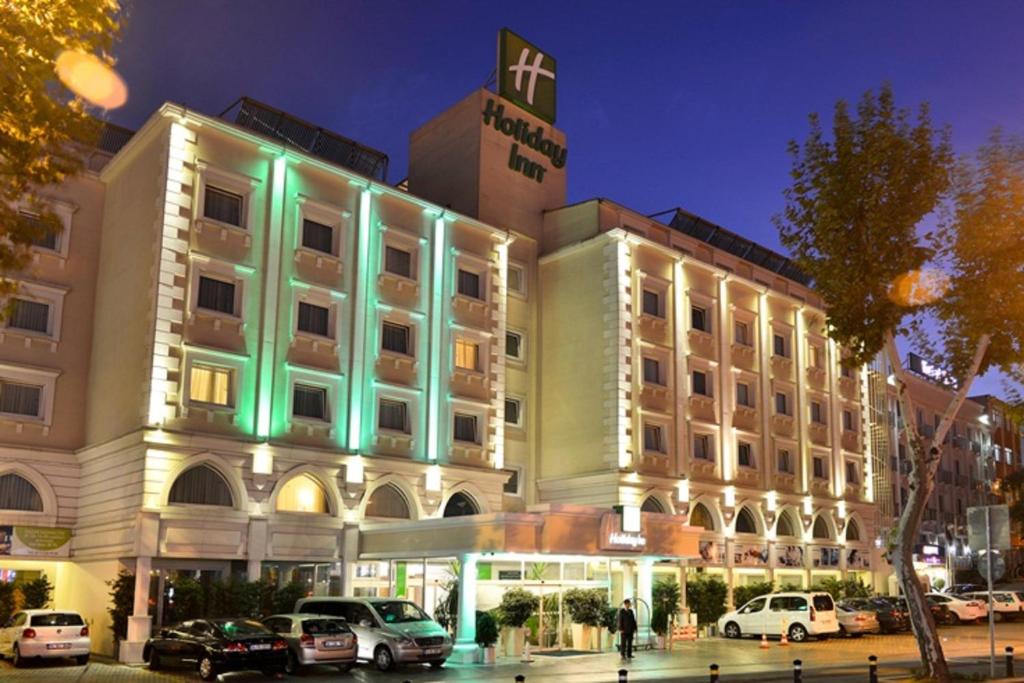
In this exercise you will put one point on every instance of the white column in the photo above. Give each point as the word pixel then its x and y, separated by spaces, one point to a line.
pixel 465 633
pixel 645 593
pixel 628 590
pixel 139 623
pixel 349 557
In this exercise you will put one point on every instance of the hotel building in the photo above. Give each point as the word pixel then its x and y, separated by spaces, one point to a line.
pixel 260 359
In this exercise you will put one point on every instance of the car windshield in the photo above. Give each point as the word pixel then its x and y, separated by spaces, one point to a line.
pixel 399 612
pixel 58 619
pixel 317 627
pixel 846 608
pixel 234 628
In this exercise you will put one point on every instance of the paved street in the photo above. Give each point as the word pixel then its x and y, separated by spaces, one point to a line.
pixel 739 661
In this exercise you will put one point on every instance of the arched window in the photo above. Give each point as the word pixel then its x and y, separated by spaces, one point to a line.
pixel 201 485
pixel 303 493
pixel 387 501
pixel 820 529
pixel 700 516
pixel 852 531
pixel 460 505
pixel 18 493
pixel 785 525
pixel 745 522
pixel 652 504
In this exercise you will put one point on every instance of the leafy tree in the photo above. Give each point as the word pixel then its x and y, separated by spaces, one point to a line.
pixel 517 605
pixel 36 593
pixel 854 218
pixel 665 598
pixel 705 596
pixel 741 595
pixel 7 601
pixel 287 595
pixel 585 605
pixel 122 601
pixel 42 123
pixel 189 601
pixel 841 589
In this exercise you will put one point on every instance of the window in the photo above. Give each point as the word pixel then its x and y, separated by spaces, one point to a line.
pixel 460 505
pixel 513 412
pixel 465 428
pixel 820 528
pixel 816 356
pixel 209 385
pixel 654 438
pixel 652 303
pixel 745 522
pixel 741 333
pixel 223 206
pixel 789 604
pixel 514 345
pixel 785 525
pixel 702 447
pixel 303 493
pixel 779 345
pixel 29 315
pixel 652 371
pixel 845 371
pixel 20 399
pixel 699 319
pixel 852 476
pixel 18 493
pixel 700 383
pixel 745 454
pixel 785 462
pixel 393 415
pixel 511 486
pixel 397 261
pixel 848 421
pixel 743 395
pixel 781 403
pixel 215 295
pixel 387 501
pixel 516 279
pixel 701 517
pixel 467 355
pixel 755 605
pixel 652 504
pixel 310 402
pixel 317 236
pixel 469 284
pixel 201 485
pixel 817 416
pixel 314 319
pixel 395 338
pixel 818 464
pixel 47 238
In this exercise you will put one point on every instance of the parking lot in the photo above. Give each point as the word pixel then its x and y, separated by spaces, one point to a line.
pixel 739 660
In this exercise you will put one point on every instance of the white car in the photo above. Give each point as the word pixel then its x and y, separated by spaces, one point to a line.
pixel 960 608
pixel 800 614
pixel 39 633
pixel 1007 604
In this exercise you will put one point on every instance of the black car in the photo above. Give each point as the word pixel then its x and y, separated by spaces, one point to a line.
pixel 940 613
pixel 215 646
pixel 891 617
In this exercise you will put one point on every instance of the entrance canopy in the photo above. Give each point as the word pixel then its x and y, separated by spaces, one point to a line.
pixel 550 529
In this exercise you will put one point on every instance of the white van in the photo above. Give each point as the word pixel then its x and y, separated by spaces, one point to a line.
pixel 801 614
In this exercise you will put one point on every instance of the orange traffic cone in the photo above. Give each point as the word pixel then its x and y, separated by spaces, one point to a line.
pixel 764 641
pixel 783 641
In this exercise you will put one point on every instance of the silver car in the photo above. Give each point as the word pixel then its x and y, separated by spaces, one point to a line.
pixel 39 633
pixel 314 639
pixel 389 630
pixel 856 622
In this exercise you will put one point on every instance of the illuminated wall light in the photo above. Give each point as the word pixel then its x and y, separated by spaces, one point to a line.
pixel 498 420
pixel 841 509
pixel 262 460
pixel 624 270
pixel 362 294
pixel 437 292
pixel 354 471
pixel 808 506
pixel 433 478
pixel 729 496
pixel 772 500
pixel 683 491
pixel 631 519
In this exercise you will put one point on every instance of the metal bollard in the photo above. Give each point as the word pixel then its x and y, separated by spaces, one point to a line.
pixel 872 669
pixel 1009 661
pixel 622 675
pixel 798 673
pixel 520 678
pixel 714 673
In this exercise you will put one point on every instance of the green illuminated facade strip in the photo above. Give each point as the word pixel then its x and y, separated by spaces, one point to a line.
pixel 271 296
pixel 435 352
pixel 363 287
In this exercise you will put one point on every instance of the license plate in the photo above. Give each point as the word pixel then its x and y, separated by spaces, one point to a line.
pixel 432 651
pixel 57 646
pixel 332 643
pixel 260 646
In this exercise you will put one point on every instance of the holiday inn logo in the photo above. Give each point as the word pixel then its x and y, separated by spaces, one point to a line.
pixel 526 75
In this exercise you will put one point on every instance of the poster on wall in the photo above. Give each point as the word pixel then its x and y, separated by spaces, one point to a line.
pixel 790 556
pixel 826 557
pixel 712 552
pixel 858 559
pixel 750 555
pixel 35 541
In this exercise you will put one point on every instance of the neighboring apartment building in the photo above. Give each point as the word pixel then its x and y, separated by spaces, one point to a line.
pixel 1007 455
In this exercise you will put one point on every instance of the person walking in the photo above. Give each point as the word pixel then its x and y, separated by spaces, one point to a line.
pixel 626 626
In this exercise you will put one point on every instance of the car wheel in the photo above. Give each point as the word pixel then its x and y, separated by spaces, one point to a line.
pixel 437 664
pixel 154 659
pixel 82 660
pixel 842 631
pixel 797 633
pixel 954 618
pixel 291 664
pixel 207 671
pixel 383 658
pixel 732 630
pixel 345 668
pixel 16 658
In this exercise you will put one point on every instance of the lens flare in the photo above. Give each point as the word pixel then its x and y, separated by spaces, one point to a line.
pixel 91 79
pixel 918 287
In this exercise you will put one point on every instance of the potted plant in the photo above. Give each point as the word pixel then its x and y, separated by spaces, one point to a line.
pixel 706 596
pixel 122 598
pixel 586 609
pixel 517 606
pixel 609 623
pixel 487 636
pixel 665 598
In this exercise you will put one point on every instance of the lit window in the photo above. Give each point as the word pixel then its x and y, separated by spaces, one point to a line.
pixel 467 355
pixel 652 371
pixel 223 206
pixel 743 395
pixel 215 295
pixel 652 303
pixel 699 319
pixel 469 284
pixel 398 261
pixel 309 402
pixel 702 447
pixel 395 338
pixel 741 333
pixel 393 415
pixel 314 319
pixel 210 385
pixel 20 399
pixel 745 454
pixel 29 315
pixel 654 438
pixel 517 279
pixel 465 428
pixel 700 383
pixel 513 411
pixel 514 345
pixel 317 236
pixel 302 494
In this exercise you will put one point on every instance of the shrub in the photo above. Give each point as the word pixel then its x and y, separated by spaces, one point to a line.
pixel 665 602
pixel 705 596
pixel 517 605
pixel 7 601
pixel 286 596
pixel 36 593
pixel 122 602
pixel 741 595
pixel 585 605
pixel 188 602
pixel 234 598
pixel 486 629
pixel 610 619
pixel 843 589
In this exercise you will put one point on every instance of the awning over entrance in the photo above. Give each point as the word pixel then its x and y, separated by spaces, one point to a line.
pixel 550 529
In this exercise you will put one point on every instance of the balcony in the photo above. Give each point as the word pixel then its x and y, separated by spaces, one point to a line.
pixel 782 425
pixel 470 383
pixel 702 407
pixel 819 433
pixel 397 368
pixel 393 443
pixel 223 240
pixel 745 417
pixel 317 266
pixel 848 388
pixel 785 481
pixel 820 486
pixel 470 311
pixel 743 356
pixel 398 289
pixel 702 467
pixel 782 367
pixel 652 326
pixel 654 395
pixel 851 441
pixel 702 343
pixel 816 376
pixel 474 455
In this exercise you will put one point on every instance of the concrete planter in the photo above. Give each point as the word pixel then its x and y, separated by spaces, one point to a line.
pixel 583 637
pixel 512 641
pixel 488 655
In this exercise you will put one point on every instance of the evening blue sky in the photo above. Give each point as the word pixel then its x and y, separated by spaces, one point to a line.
pixel 664 104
